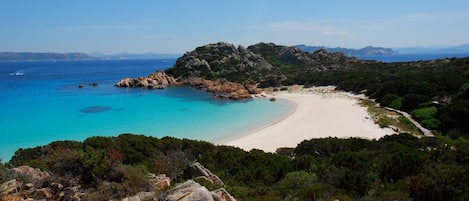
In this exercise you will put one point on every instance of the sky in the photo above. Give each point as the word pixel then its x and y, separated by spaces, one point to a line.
pixel 178 26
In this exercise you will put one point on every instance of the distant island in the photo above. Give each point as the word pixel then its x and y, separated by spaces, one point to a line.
pixel 49 56
pixel 369 50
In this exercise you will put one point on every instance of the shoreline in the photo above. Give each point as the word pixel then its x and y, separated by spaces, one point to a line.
pixel 320 112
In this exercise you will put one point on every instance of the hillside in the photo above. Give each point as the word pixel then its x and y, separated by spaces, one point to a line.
pixel 264 63
pixel 30 56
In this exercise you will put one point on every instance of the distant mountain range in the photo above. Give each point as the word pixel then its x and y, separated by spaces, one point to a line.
pixel 369 50
pixel 34 56
pixel 388 51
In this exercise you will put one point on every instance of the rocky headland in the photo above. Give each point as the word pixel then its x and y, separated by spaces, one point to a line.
pixel 236 72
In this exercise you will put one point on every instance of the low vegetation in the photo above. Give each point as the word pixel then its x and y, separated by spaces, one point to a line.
pixel 397 167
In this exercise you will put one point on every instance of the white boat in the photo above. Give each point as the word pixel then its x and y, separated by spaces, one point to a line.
pixel 17 73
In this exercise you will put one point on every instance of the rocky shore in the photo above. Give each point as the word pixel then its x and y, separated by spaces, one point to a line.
pixel 157 80
pixel 221 88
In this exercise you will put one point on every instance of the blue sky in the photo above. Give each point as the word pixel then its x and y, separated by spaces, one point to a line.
pixel 177 26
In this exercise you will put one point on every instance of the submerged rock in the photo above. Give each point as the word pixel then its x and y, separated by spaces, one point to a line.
pixel 95 109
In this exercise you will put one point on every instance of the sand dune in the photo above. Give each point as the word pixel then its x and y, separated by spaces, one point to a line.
pixel 320 112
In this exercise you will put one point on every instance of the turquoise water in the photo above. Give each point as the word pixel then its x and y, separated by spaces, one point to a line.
pixel 46 104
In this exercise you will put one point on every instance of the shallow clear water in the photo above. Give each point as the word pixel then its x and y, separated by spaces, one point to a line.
pixel 46 104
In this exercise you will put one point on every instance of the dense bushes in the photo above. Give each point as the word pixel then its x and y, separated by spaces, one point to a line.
pixel 394 167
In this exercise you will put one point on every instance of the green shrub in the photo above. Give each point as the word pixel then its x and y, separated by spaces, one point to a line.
pixel 427 116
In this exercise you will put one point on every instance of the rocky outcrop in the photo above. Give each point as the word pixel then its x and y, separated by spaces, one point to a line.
pixel 34 173
pixel 224 89
pixel 159 182
pixel 15 190
pixel 218 60
pixel 199 171
pixel 157 80
pixel 191 190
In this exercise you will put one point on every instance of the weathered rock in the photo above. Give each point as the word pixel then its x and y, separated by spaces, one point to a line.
pixel 34 173
pixel 159 182
pixel 187 191
pixel 8 187
pixel 224 89
pixel 191 190
pixel 157 80
pixel 141 196
pixel 222 195
pixel 197 170
pixel 12 197
pixel 43 193
pixel 133 198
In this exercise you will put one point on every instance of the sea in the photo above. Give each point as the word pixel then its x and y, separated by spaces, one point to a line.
pixel 392 58
pixel 41 102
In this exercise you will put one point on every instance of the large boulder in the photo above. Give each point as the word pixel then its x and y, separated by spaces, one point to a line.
pixel 187 191
pixel 191 190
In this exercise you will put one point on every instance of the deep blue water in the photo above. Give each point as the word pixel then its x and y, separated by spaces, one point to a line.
pixel 46 104
pixel 411 57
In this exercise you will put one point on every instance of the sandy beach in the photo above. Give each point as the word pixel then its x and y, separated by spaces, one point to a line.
pixel 320 112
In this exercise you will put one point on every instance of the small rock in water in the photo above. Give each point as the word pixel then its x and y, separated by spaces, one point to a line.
pixel 95 109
